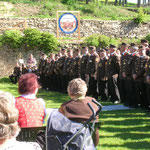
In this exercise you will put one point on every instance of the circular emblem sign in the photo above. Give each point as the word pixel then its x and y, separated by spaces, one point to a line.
pixel 68 23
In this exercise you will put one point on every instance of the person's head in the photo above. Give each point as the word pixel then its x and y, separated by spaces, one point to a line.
pixel 84 50
pixel 52 56
pixel 30 56
pixel 102 53
pixel 77 88
pixel 56 57
pixel 28 84
pixel 142 50
pixel 69 53
pixel 63 51
pixel 77 52
pixel 8 117
pixel 92 49
pixel 144 43
pixel 124 47
pixel 112 48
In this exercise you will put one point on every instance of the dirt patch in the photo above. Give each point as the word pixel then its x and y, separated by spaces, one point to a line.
pixel 20 10
pixel 25 10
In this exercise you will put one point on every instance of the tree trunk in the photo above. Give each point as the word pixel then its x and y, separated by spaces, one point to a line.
pixel 119 2
pixel 139 3
pixel 116 1
pixel 123 3
pixel 87 1
pixel 126 1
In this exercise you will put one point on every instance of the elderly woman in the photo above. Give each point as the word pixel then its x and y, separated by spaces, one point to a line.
pixel 9 127
pixel 31 109
pixel 77 109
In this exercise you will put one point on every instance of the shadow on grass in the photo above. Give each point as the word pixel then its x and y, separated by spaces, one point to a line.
pixel 136 145
pixel 4 80
pixel 130 126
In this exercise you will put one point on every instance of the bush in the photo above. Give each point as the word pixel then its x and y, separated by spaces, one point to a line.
pixel 92 40
pixel 32 37
pixel 148 37
pixel 48 42
pixel 12 38
pixel 1 40
pixel 97 40
pixel 104 41
pixel 68 2
pixel 140 17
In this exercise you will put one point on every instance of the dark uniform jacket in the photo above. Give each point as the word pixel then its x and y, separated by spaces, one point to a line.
pixel 139 67
pixel 74 67
pixel 113 65
pixel 83 63
pixel 41 66
pixel 51 67
pixel 101 69
pixel 130 64
pixel 125 63
pixel 67 65
pixel 92 64
pixel 60 64
pixel 147 68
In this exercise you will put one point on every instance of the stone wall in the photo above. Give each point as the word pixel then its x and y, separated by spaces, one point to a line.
pixel 120 29
pixel 110 28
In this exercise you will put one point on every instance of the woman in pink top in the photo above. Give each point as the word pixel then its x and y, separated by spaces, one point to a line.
pixel 31 109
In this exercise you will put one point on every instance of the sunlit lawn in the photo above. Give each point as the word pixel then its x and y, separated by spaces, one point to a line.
pixel 121 130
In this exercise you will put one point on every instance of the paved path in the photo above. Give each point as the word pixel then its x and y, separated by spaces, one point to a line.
pixel 105 108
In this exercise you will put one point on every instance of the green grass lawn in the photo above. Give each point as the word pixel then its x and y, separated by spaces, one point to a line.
pixel 121 130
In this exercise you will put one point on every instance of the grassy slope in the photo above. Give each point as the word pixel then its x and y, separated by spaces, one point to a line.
pixel 121 130
pixel 96 10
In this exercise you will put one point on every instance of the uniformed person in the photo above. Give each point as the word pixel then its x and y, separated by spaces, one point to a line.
pixel 145 43
pixel 123 70
pixel 90 72
pixel 113 68
pixel 61 62
pixel 147 75
pixel 16 73
pixel 101 75
pixel 130 83
pixel 56 74
pixel 41 66
pixel 139 76
pixel 83 62
pixel 51 72
pixel 66 69
pixel 74 66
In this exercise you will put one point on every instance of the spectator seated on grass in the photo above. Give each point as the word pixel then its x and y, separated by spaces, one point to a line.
pixel 77 109
pixel 31 109
pixel 9 128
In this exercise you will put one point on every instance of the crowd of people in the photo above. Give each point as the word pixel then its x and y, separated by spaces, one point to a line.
pixel 120 75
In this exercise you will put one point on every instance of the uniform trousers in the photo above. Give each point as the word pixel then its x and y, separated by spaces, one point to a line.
pixel 113 89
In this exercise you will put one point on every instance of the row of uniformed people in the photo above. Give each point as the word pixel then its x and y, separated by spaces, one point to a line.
pixel 122 74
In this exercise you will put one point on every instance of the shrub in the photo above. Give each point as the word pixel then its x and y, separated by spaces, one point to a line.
pixel 1 40
pixel 140 17
pixel 148 37
pixel 104 41
pixel 12 38
pixel 68 2
pixel 97 40
pixel 48 42
pixel 32 37
pixel 92 40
